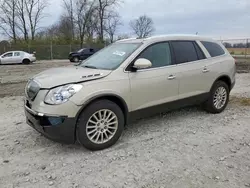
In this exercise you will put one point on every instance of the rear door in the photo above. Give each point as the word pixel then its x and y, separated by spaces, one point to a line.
pixel 190 61
pixel 17 57
pixel 7 58
pixel 218 63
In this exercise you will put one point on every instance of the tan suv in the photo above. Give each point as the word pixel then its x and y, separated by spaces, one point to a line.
pixel 130 79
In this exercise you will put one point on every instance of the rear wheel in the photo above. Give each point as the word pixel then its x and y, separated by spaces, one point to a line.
pixel 100 125
pixel 26 61
pixel 218 99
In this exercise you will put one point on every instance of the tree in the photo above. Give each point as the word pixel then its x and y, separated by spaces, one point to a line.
pixel 34 9
pixel 8 18
pixel 22 26
pixel 84 11
pixel 61 29
pixel 68 6
pixel 143 26
pixel 103 8
pixel 227 45
pixel 123 36
pixel 113 22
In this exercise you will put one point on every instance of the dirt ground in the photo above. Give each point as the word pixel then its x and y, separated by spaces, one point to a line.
pixel 13 78
pixel 185 148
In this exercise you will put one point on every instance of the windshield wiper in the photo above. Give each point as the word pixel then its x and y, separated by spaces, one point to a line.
pixel 90 66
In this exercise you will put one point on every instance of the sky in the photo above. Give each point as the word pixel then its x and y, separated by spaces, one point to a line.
pixel 221 19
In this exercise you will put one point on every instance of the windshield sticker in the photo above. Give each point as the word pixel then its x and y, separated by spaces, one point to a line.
pixel 120 53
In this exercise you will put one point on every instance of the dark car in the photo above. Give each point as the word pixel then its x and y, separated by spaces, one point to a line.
pixel 82 54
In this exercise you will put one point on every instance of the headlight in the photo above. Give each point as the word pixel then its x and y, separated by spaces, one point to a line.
pixel 62 94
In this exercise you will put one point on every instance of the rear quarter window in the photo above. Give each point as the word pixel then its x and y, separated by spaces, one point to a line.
pixel 213 48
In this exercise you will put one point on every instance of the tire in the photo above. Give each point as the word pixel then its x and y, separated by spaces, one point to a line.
pixel 26 61
pixel 76 59
pixel 87 117
pixel 210 104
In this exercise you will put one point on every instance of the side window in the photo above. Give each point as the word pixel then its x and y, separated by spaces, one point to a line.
pixel 200 53
pixel 159 54
pixel 184 51
pixel 213 48
pixel 8 55
pixel 17 54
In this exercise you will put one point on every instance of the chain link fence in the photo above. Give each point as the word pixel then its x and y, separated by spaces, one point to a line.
pixel 240 50
pixel 47 51
pixel 238 47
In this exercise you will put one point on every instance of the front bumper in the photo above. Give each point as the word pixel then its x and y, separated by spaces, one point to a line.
pixel 57 128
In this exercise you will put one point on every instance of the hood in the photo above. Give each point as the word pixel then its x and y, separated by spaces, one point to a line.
pixel 72 53
pixel 70 74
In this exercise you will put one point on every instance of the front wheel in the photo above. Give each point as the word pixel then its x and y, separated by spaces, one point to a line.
pixel 218 99
pixel 100 125
pixel 76 59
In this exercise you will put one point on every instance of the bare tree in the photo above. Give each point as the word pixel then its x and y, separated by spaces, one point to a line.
pixel 91 26
pixel 22 26
pixel 8 18
pixel 30 13
pixel 64 28
pixel 123 36
pixel 84 12
pixel 113 22
pixel 143 26
pixel 103 8
pixel 35 9
pixel 61 29
pixel 69 7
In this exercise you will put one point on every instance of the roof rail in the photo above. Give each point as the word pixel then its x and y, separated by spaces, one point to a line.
pixel 127 39
pixel 167 35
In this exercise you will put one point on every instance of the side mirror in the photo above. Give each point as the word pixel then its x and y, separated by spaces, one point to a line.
pixel 142 63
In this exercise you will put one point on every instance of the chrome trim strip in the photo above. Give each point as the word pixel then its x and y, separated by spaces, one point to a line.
pixel 32 111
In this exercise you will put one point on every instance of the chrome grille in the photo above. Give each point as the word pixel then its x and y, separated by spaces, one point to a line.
pixel 31 90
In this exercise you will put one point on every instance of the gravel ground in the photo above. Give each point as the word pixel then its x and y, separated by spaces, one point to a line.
pixel 184 148
pixel 13 78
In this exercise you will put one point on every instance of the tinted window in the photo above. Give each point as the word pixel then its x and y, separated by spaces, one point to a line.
pixel 213 48
pixel 199 51
pixel 17 54
pixel 159 54
pixel 8 55
pixel 184 51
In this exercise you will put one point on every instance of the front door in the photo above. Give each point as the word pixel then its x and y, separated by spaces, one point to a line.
pixel 7 58
pixel 155 85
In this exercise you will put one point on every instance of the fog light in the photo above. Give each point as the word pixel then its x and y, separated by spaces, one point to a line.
pixel 55 120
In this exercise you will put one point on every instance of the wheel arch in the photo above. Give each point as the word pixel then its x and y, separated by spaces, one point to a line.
pixel 112 97
pixel 224 78
pixel 26 59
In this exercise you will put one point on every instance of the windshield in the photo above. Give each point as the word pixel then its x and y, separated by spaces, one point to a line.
pixel 111 56
pixel 79 51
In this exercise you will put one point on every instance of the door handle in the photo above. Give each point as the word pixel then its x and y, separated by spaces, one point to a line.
pixel 205 70
pixel 171 77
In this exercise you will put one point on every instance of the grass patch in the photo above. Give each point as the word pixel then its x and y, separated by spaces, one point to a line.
pixel 241 100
